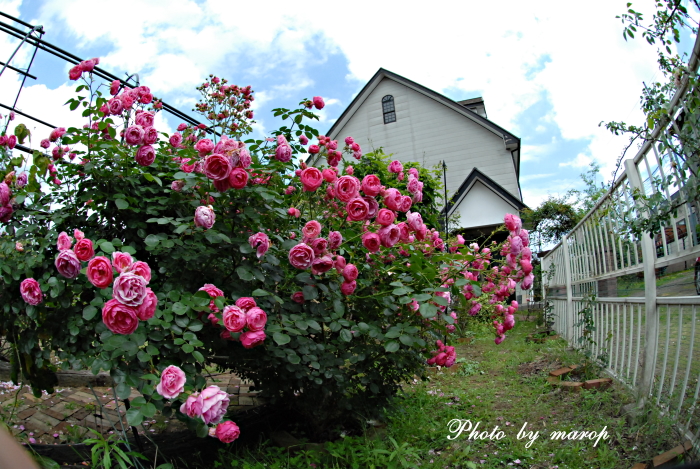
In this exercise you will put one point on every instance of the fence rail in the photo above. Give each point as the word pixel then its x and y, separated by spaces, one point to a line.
pixel 649 343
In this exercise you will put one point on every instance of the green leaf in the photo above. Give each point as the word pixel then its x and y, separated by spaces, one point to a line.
pixel 107 246
pixel 149 410
pixel 428 310
pixel 151 240
pixel 121 204
pixel 89 312
pixel 244 273
pixel 392 346
pixel 259 292
pixel 310 292
pixel 123 391
pixel 406 340
pixel 198 356
pixel 440 300
pixel 134 416
pixel 346 335
pixel 179 308
pixel 281 338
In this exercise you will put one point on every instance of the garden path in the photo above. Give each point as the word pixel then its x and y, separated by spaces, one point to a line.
pixel 66 415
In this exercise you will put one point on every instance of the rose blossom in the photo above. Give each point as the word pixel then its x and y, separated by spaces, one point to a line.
pixel 175 139
pixel 234 318
pixel 246 303
pixel 68 264
pixel 255 319
pixel 513 222
pixel 64 241
pixel 99 272
pixel 119 318
pixel 371 241
pixel 141 269
pixel 83 250
pixel 311 179
pixel 227 431
pixel 350 272
pixel 373 206
pixel 19 247
pixel 177 185
pixel 204 146
pixel 319 245
pixel 251 339
pixel 146 155
pixel 301 256
pixel 31 291
pixel 78 235
pixel 150 135
pixel 321 265
pixel 294 212
pixel 22 180
pixel 238 178
pixel 134 135
pixel 335 239
pixel 392 199
pixel 357 209
pixel 389 235
pixel 385 217
pixel 348 288
pixel 217 167
pixel 148 308
pixel 283 153
pixel 340 264
pixel 414 220
pixel 172 382
pixel 121 261
pixel 298 297
pixel 204 216
pixel 311 230
pixel 347 188
pixel 395 167
pixel 313 149
pixel 318 102
pixel 192 407
pixel 214 403
pixel 260 242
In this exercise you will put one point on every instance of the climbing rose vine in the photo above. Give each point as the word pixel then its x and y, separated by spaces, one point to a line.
pixel 325 283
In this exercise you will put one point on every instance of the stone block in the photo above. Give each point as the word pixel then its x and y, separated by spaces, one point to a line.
pixel 602 383
pixel 560 372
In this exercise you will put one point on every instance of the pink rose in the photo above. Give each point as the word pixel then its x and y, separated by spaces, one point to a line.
pixel 414 220
pixel 45 144
pixel 121 261
pixel 114 87
pixel 150 135
pixel 357 209
pixel 119 318
pixel 371 241
pixel 234 318
pixel 22 180
pixel 217 167
pixel 311 179
pixel 142 269
pixel 99 272
pixel 335 239
pixel 129 289
pixel 350 272
pixel 204 146
pixel 31 291
pixel 392 199
pixel 246 303
pixel 329 175
pixel 134 135
pixel 188 168
pixel 373 206
pixel 75 72
pixel 148 308
pixel 5 197
pixel 390 235
pixel 204 216
pixel 214 404
pixel 301 256
pixel 348 288
pixel 321 265
pixel 349 141
pixel 347 188
pixel 298 297
pixel 175 139
pixel 311 230
pixel 405 204
pixel 11 141
pixel 115 106
pixel 172 382
pixel 145 119
pixel 252 339
pixel 238 178
pixel 64 241
pixel 349 170
pixel 18 246
pixel 213 293
pixel 78 235
pixel 313 149
pixel 294 212
pixel 526 284
pixel 255 319
pixel 395 167
pixel 319 245
pixel 177 185
pixel 227 431
pixel 192 407
pixel 413 185
pixel 318 102
pixel 146 155
pixel 404 233
pixel 83 250
pixel 283 153
pixel 385 217
pixel 513 222
pixel 260 242
pixel 68 264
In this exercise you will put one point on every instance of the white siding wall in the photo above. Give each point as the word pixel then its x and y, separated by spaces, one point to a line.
pixel 482 207
pixel 427 131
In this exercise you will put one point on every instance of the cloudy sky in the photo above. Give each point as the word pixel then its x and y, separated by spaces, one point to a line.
pixel 549 71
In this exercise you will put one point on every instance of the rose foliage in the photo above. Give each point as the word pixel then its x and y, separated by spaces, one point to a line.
pixel 150 256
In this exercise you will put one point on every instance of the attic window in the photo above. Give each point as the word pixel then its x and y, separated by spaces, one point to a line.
pixel 388 109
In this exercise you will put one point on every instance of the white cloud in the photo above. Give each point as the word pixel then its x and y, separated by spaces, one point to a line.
pixel 580 161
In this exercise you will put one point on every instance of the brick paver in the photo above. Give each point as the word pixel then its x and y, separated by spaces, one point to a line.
pixel 66 415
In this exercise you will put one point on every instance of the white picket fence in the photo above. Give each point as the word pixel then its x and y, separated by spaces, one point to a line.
pixel 649 343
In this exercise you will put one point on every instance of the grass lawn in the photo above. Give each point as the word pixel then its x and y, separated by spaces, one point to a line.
pixel 500 386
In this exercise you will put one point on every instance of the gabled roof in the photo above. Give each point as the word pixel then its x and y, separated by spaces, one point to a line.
pixel 468 183
pixel 511 141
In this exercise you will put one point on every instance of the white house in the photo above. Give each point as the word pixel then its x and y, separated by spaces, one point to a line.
pixel 415 123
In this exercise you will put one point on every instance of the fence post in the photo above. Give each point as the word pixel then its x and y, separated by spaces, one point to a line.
pixel 569 315
pixel 652 316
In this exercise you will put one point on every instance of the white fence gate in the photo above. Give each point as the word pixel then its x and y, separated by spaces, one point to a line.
pixel 649 343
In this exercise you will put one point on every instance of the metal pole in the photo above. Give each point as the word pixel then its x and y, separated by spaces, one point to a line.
pixel 444 179
pixel 24 39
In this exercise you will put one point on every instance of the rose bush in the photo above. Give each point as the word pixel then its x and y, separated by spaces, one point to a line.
pixel 327 291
